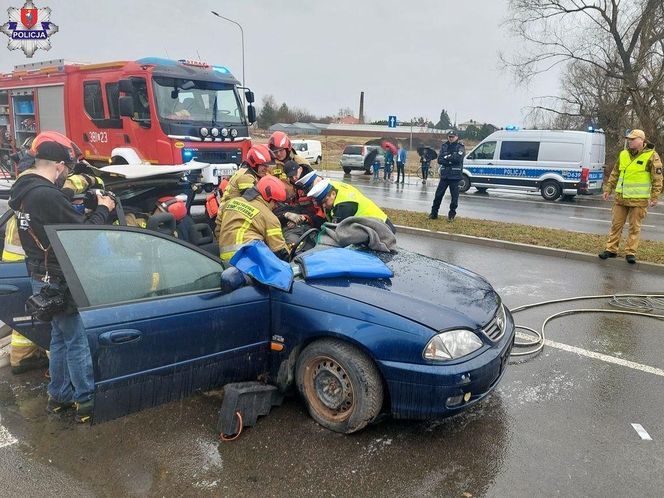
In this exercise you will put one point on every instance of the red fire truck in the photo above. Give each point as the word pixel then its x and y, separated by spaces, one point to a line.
pixel 153 110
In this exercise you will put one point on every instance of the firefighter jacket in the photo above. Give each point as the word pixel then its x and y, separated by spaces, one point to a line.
pixel 636 177
pixel 351 202
pixel 12 251
pixel 250 218
pixel 243 179
pixel 451 160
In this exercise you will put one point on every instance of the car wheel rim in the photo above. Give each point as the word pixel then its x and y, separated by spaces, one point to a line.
pixel 329 388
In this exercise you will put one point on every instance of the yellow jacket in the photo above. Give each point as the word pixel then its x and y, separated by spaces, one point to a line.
pixel 654 166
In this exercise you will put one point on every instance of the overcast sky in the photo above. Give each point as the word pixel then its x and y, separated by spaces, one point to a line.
pixel 411 58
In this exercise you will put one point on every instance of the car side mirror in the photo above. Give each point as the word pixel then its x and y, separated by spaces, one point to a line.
pixel 232 279
pixel 249 95
pixel 126 106
pixel 251 114
pixel 126 86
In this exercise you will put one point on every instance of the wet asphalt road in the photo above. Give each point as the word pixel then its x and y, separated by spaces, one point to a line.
pixel 586 214
pixel 558 424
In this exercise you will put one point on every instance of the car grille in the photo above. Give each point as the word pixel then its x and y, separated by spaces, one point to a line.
pixel 495 329
pixel 219 156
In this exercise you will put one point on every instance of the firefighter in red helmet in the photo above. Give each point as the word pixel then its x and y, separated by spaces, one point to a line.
pixel 250 217
pixel 283 151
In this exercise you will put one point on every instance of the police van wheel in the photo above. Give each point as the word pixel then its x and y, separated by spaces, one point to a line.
pixel 341 386
pixel 464 183
pixel 551 190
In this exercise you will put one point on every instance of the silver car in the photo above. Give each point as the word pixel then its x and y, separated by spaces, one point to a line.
pixel 353 156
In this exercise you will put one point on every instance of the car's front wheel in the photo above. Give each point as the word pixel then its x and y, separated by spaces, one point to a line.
pixel 347 170
pixel 340 385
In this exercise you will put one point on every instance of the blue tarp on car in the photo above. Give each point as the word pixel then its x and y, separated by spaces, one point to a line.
pixel 341 262
pixel 259 262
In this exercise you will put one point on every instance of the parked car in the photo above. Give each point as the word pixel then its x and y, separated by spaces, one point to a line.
pixel 311 150
pixel 428 342
pixel 353 156
pixel 556 163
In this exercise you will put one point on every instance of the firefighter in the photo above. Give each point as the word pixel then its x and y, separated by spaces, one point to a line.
pixel 250 217
pixel 301 209
pixel 258 162
pixel 167 204
pixel 281 147
pixel 340 201
pixel 25 355
pixel 637 181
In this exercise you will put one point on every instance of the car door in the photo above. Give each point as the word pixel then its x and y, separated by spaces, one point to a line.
pixel 480 163
pixel 158 326
pixel 15 289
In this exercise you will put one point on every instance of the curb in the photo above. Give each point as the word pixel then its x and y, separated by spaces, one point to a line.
pixel 543 251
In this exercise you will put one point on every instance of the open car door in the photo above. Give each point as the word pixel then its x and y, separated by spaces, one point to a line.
pixel 158 325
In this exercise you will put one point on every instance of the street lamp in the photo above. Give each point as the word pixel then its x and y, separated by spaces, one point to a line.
pixel 241 33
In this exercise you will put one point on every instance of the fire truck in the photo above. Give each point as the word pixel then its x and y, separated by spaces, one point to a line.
pixel 148 111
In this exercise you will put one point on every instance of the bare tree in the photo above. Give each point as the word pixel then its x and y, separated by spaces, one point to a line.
pixel 612 53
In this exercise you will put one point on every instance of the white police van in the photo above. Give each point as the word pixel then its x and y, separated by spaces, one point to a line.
pixel 555 162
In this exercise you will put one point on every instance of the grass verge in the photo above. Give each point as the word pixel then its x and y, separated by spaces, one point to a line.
pixel 649 250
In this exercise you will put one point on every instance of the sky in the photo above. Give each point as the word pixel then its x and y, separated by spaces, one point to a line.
pixel 410 58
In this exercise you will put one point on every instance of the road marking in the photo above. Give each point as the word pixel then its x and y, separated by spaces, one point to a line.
pixel 597 356
pixel 642 432
pixel 6 439
pixel 602 221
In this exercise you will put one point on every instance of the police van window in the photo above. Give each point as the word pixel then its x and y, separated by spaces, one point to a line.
pixel 117 266
pixel 561 152
pixel 485 151
pixel 112 95
pixel 519 151
pixel 92 99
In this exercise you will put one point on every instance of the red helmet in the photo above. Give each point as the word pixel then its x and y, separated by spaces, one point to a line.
pixel 173 205
pixel 271 189
pixel 259 154
pixel 279 140
pixel 54 136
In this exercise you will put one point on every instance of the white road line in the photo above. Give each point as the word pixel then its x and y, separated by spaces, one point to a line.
pixel 602 221
pixel 6 439
pixel 598 356
pixel 642 432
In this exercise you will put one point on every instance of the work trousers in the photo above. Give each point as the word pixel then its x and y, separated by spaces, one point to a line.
pixel 635 215
pixel 443 184
pixel 387 174
pixel 72 377
pixel 401 171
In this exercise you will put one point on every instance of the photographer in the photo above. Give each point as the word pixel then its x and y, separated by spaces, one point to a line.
pixel 38 199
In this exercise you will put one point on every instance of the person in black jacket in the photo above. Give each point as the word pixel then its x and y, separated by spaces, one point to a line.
pixel 37 199
pixel 450 159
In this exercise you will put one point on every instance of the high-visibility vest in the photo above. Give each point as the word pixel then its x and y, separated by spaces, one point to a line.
pixel 12 251
pixel 634 181
pixel 365 206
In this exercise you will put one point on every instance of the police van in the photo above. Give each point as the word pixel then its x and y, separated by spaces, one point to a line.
pixel 554 162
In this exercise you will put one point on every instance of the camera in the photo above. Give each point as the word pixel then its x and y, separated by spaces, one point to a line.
pixel 47 303
pixel 90 199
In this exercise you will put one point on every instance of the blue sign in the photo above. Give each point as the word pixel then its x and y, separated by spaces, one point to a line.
pixel 392 121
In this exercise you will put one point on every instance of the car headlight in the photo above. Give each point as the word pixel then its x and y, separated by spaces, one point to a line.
pixel 451 345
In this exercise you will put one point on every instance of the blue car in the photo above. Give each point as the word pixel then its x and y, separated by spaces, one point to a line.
pixel 426 342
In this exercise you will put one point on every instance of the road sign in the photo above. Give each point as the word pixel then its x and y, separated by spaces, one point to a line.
pixel 392 121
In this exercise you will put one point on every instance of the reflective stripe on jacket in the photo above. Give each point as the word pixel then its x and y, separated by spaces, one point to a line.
pixel 365 206
pixel 246 220
pixel 635 181
pixel 12 251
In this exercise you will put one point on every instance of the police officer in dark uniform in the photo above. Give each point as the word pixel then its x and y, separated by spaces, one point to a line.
pixel 450 159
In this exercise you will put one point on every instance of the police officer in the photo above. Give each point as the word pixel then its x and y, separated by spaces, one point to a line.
pixel 637 181
pixel 340 201
pixel 37 200
pixel 250 217
pixel 451 168
pixel 258 163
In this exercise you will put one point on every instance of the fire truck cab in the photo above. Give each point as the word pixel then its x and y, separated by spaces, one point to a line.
pixel 148 111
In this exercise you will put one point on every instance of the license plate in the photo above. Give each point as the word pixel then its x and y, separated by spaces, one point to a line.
pixel 592 184
pixel 223 171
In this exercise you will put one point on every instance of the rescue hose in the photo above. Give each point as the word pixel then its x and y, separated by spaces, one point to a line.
pixel 648 305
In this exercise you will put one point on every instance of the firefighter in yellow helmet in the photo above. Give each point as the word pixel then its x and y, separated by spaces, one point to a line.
pixel 637 181
pixel 250 217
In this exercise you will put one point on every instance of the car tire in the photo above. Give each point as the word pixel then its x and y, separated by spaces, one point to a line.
pixel 356 398
pixel 318 160
pixel 568 197
pixel 464 183
pixel 551 190
pixel 347 170
pixel 481 190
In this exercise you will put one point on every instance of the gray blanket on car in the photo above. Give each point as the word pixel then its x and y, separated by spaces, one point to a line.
pixel 371 232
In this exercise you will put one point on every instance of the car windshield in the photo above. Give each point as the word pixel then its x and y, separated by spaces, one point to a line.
pixel 197 101
pixel 353 150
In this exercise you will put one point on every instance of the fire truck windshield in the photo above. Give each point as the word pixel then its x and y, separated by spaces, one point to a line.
pixel 197 102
